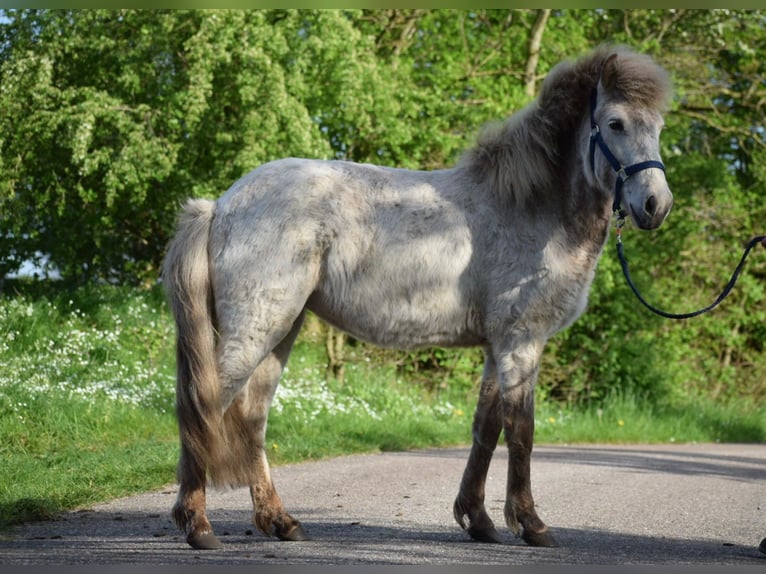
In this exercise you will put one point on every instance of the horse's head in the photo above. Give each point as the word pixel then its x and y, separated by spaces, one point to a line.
pixel 625 126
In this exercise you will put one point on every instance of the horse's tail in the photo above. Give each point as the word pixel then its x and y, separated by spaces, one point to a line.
pixel 186 276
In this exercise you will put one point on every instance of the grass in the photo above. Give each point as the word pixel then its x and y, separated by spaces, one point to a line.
pixel 628 420
pixel 86 404
pixel 74 452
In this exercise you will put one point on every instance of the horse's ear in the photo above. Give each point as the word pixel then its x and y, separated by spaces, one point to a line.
pixel 608 78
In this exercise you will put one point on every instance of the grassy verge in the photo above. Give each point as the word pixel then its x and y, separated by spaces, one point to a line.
pixel 86 394
pixel 73 453
pixel 626 419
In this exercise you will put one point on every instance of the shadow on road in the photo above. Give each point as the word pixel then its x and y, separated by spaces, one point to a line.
pixel 672 462
pixel 135 538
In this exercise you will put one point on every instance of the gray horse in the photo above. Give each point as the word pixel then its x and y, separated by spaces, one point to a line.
pixel 498 251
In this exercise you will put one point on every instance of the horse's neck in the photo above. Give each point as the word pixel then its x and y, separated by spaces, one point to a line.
pixel 589 217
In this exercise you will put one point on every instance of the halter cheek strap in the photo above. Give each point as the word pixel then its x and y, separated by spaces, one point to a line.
pixel 623 173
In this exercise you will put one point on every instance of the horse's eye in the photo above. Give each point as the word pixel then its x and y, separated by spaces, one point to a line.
pixel 616 125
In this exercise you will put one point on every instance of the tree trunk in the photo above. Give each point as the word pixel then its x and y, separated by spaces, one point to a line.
pixel 334 344
pixel 533 52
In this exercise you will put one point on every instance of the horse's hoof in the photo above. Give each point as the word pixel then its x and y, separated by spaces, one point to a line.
pixel 489 535
pixel 204 541
pixel 544 539
pixel 295 534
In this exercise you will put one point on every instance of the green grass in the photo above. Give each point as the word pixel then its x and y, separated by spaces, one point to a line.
pixel 629 420
pixel 86 404
pixel 72 453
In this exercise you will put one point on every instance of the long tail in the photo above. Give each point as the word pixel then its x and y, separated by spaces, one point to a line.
pixel 186 277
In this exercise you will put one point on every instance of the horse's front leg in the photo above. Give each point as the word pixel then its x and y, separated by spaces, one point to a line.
pixel 469 509
pixel 518 374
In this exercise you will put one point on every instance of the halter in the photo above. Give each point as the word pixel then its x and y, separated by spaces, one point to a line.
pixel 623 173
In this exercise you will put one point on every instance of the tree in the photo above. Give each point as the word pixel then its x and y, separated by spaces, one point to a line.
pixel 111 118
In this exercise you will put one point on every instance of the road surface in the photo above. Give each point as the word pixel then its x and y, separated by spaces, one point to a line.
pixel 701 504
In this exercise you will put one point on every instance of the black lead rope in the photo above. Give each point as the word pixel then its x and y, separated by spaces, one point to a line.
pixel 624 262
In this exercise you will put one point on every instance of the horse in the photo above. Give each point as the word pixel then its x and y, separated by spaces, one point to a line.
pixel 499 250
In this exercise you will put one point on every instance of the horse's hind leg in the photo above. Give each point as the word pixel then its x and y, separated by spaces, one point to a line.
pixel 269 515
pixel 469 508
pixel 189 510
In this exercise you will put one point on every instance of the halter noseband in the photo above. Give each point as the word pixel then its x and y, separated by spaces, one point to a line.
pixel 623 173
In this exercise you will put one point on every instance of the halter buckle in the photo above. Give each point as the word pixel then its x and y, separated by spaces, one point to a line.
pixel 622 174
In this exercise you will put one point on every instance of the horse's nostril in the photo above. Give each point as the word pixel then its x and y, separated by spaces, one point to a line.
pixel 651 205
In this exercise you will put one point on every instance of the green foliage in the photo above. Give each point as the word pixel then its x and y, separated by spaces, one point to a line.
pixel 114 343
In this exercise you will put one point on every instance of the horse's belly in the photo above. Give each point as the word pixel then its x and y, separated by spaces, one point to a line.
pixel 399 321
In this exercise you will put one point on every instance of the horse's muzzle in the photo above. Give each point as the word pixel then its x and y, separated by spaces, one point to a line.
pixel 649 205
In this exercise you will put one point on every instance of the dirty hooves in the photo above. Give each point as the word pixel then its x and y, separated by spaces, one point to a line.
pixel 294 534
pixel 204 541
pixel 492 536
pixel 488 535
pixel 209 541
pixel 542 539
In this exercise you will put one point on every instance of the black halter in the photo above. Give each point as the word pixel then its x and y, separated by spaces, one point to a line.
pixel 623 173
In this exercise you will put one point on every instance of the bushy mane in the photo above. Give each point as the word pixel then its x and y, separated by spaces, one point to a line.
pixel 523 155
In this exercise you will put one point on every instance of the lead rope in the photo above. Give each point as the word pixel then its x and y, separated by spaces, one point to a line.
pixel 624 263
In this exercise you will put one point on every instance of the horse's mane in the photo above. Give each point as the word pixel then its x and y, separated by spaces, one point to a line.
pixel 523 155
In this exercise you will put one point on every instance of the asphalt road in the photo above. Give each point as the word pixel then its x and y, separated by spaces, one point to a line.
pixel 697 504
